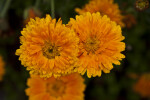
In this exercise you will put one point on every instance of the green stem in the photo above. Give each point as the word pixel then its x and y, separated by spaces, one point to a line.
pixel 4 10
pixel 52 9
pixel 37 3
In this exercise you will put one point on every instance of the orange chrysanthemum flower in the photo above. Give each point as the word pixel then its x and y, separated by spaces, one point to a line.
pixel 143 85
pixel 48 48
pixel 2 71
pixel 69 87
pixel 105 7
pixel 100 43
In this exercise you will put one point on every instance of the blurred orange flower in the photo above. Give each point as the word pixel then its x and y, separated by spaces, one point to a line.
pixel 143 85
pixel 2 70
pixel 133 75
pixel 100 43
pixel 32 13
pixel 105 7
pixel 129 20
pixel 48 48
pixel 70 87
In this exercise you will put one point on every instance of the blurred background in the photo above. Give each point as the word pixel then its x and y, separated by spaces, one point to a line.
pixel 117 85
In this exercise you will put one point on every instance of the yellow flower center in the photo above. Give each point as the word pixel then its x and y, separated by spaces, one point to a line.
pixel 56 89
pixel 50 50
pixel 141 4
pixel 91 45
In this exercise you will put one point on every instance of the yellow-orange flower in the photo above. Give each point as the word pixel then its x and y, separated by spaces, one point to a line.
pixel 2 71
pixel 48 47
pixel 69 87
pixel 143 85
pixel 100 43
pixel 105 7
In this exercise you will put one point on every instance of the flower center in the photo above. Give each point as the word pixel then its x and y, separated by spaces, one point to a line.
pixel 102 13
pixel 56 88
pixel 142 4
pixel 50 51
pixel 91 45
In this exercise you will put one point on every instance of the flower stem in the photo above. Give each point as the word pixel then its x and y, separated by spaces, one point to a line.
pixel 37 3
pixel 4 10
pixel 52 9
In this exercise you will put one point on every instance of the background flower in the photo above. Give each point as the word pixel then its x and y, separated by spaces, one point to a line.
pixel 143 85
pixel 129 20
pixel 31 13
pixel 2 70
pixel 70 87
pixel 105 7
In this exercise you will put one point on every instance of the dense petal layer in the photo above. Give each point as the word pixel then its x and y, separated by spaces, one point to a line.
pixel 69 87
pixel 105 7
pixel 100 43
pixel 48 48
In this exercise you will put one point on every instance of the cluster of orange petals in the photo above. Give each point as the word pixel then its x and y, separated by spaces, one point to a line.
pixel 56 53
pixel 48 48
pixel 143 85
pixel 100 43
pixel 90 43
pixel 68 87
